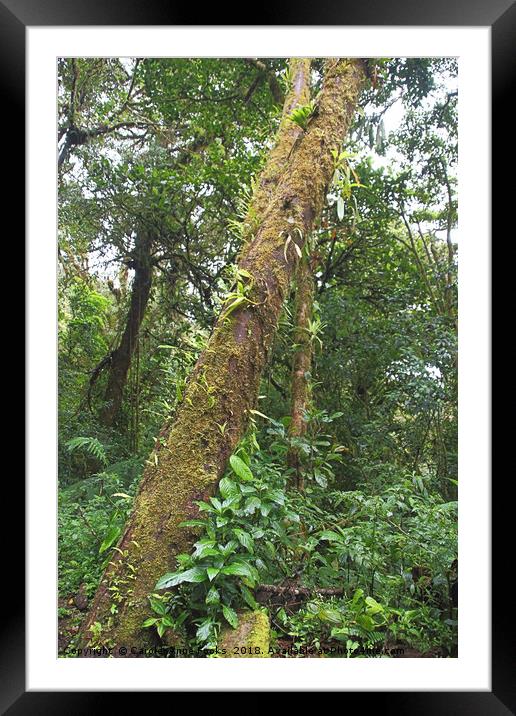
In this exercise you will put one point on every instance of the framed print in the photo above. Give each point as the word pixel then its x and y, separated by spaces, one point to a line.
pixel 258 353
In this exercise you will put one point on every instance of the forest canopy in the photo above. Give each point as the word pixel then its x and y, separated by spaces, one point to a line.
pixel 257 307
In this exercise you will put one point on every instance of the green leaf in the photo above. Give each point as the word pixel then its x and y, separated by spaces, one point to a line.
pixel 112 535
pixel 245 539
pixel 257 412
pixel 158 606
pixel 330 536
pixel 213 596
pixel 330 615
pixel 277 496
pixel 228 488
pixel 248 597
pixel 205 548
pixel 193 523
pixel 174 578
pixel 204 630
pixel 212 573
pixel 373 605
pixel 238 568
pixel 320 479
pixel 246 489
pixel 265 508
pixel 230 615
pixel 149 622
pixel 233 306
pixel 240 468
pixel 228 548
pixel 251 505
pixel 216 504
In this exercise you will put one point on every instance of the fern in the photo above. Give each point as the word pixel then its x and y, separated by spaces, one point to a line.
pixel 91 445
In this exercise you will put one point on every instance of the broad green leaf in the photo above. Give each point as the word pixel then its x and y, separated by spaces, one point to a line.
pixel 149 622
pixel 330 536
pixel 245 539
pixel 230 615
pixel 240 468
pixel 204 630
pixel 158 606
pixel 252 504
pixel 373 606
pixel 228 548
pixel 248 596
pixel 213 596
pixel 238 568
pixel 196 574
pixel 228 488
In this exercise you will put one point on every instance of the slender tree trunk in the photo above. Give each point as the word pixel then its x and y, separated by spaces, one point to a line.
pixel 191 455
pixel 288 133
pixel 301 366
pixel 121 356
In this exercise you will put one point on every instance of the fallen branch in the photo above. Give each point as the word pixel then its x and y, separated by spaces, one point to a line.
pixel 291 594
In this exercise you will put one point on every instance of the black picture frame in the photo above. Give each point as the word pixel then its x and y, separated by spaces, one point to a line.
pixel 15 16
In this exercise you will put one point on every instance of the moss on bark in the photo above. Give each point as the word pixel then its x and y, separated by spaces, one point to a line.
pixel 288 133
pixel 301 365
pixel 190 457
pixel 250 639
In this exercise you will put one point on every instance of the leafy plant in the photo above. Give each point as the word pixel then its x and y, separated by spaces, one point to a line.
pixel 247 537
pixel 91 445
pixel 301 115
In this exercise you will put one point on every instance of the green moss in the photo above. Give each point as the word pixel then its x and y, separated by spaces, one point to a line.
pixel 249 640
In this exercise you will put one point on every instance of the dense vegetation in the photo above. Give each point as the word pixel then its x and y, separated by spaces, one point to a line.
pixel 337 511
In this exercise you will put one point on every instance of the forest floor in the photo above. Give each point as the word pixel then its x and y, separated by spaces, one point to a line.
pixel 73 608
pixel 69 620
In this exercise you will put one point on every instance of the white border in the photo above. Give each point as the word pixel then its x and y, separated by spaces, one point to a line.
pixel 471 671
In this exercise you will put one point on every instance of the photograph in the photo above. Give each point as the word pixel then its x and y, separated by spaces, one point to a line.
pixel 257 349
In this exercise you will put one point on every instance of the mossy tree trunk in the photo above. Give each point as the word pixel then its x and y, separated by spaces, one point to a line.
pixel 191 454
pixel 301 366
pixel 288 133
pixel 120 359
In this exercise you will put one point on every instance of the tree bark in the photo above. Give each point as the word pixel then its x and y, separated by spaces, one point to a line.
pixel 191 455
pixel 301 366
pixel 288 134
pixel 120 358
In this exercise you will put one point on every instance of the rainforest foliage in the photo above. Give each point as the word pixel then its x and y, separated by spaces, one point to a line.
pixel 336 515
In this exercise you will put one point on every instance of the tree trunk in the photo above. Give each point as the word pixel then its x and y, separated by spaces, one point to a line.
pixel 191 455
pixel 288 133
pixel 120 359
pixel 301 366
